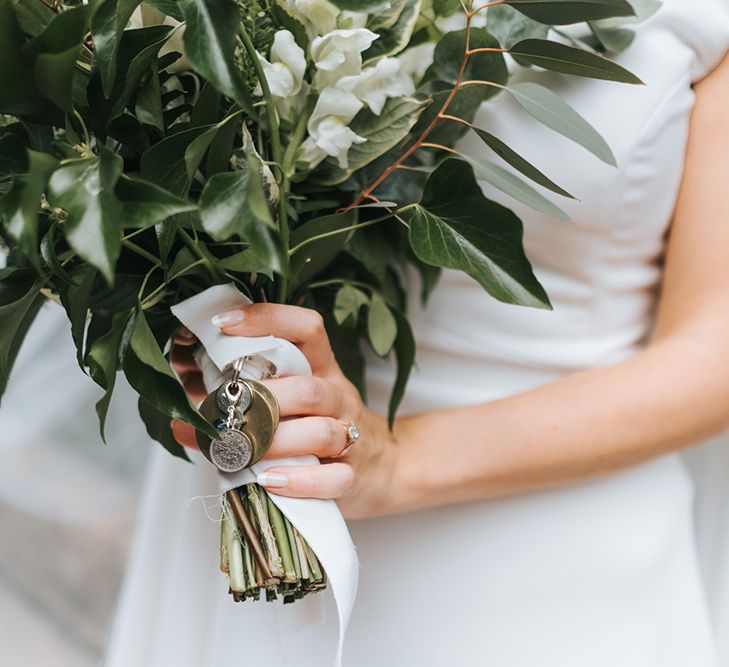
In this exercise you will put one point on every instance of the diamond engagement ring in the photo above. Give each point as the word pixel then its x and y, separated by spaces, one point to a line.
pixel 353 434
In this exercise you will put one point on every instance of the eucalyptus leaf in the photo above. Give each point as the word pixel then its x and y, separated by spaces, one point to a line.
pixel 84 188
pixel 519 163
pixel 551 110
pixel 565 59
pixel 510 26
pixel 405 349
pixel 512 185
pixel 381 325
pixel 563 12
pixel 455 226
pixel 210 44
pixel 158 428
pixel 612 39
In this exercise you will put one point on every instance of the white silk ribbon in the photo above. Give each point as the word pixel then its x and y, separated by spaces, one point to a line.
pixel 319 521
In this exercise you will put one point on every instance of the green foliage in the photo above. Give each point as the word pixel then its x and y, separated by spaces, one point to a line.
pixel 133 175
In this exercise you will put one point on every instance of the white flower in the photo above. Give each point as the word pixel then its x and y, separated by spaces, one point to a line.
pixel 339 54
pixel 285 72
pixel 329 134
pixel 144 17
pixel 320 14
pixel 375 84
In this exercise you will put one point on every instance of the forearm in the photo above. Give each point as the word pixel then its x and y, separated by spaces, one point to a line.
pixel 585 425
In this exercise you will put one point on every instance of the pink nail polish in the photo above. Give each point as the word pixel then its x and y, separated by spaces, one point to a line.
pixel 273 480
pixel 228 319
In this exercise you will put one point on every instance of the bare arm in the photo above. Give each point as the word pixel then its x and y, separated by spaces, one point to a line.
pixel 671 395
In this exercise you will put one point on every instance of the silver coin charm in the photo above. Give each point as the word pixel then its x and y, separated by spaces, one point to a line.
pixel 231 451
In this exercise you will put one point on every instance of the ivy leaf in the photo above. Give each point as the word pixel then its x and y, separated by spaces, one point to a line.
pixel 103 362
pixel 381 325
pixel 519 163
pixel 512 185
pixel 381 132
pixel 107 25
pixel 456 227
pixel 557 57
pixel 227 209
pixel 361 5
pixel 85 190
pixel 158 428
pixel 405 355
pixel 145 204
pixel 19 304
pixel 56 50
pixel 76 299
pixel 552 111
pixel 316 244
pixel 149 373
pixel 347 304
pixel 13 155
pixel 563 12
pixel 20 206
pixel 210 44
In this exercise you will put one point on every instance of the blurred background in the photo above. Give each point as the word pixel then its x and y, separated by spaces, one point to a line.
pixel 67 503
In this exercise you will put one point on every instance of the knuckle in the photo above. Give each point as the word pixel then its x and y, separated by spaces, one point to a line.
pixel 313 392
pixel 312 324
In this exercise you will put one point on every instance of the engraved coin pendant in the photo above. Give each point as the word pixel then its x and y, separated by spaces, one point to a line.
pixel 231 451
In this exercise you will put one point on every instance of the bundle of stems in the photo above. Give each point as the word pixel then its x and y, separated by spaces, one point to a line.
pixel 260 551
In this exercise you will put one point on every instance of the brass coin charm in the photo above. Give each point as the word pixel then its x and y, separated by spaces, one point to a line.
pixel 246 415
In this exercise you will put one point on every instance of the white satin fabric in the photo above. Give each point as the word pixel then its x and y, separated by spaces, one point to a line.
pixel 602 574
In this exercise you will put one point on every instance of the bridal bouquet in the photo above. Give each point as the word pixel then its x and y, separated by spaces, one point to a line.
pixel 305 151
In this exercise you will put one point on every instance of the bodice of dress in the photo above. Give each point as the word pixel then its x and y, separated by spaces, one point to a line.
pixel 601 269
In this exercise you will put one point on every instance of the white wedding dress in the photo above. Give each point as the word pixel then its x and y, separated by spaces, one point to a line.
pixel 600 574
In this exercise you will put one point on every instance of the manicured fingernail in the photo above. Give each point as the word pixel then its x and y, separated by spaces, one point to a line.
pixel 272 480
pixel 228 319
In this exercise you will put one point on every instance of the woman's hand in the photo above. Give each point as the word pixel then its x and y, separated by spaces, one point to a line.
pixel 315 411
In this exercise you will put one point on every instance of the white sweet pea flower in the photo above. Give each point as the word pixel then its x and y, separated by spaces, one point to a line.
pixel 321 15
pixel 329 134
pixel 375 84
pixel 285 72
pixel 339 54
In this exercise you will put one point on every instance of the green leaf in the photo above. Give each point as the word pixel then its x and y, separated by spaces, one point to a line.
pixel 382 133
pixel 519 163
pixel 149 373
pixel 18 308
pixel 145 204
pixel 159 428
pixel 483 66
pixel 565 59
pixel 13 155
pixel 85 190
pixel 171 163
pixel 56 50
pixel 612 39
pixel 456 227
pixel 347 304
pixel 360 5
pixel 394 39
pixel 148 106
pixel 514 186
pixel 509 26
pixel 227 210
pixel 320 240
pixel 76 299
pixel 20 206
pixel 563 12
pixel 210 44
pixel 107 25
pixel 551 110
pixel 405 354
pixel 103 362
pixel 381 325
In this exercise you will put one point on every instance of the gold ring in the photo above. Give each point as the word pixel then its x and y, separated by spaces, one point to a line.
pixel 353 434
